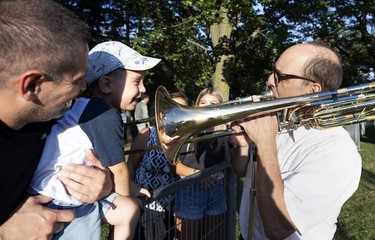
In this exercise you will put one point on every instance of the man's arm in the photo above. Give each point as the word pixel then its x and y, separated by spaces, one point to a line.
pixel 34 221
pixel 270 186
pixel 87 184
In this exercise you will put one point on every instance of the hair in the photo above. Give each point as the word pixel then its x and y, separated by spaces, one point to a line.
pixel 325 68
pixel 211 91
pixel 39 34
pixel 179 95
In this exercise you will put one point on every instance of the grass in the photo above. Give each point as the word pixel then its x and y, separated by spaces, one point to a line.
pixel 357 218
pixel 105 232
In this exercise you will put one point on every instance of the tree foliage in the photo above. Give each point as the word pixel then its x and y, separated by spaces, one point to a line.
pixel 181 32
pixel 347 25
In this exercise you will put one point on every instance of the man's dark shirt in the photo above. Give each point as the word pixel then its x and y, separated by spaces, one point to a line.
pixel 20 151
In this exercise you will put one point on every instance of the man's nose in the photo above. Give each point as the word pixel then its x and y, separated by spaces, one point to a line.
pixel 271 81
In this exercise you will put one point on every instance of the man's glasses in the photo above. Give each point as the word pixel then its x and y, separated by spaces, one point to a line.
pixel 278 76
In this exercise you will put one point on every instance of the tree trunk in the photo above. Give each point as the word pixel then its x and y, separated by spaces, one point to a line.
pixel 218 30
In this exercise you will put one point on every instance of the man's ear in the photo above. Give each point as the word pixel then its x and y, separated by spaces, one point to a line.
pixel 30 84
pixel 105 84
pixel 315 87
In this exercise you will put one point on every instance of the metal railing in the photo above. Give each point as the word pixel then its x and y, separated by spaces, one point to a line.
pixel 227 224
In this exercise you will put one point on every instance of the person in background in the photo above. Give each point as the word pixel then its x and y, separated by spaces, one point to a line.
pixel 303 176
pixel 43 62
pixel 151 170
pixel 129 129
pixel 141 111
pixel 115 79
pixel 201 207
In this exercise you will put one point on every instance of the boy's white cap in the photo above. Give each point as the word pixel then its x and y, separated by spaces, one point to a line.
pixel 108 56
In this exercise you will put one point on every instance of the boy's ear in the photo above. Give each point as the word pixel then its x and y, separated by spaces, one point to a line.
pixel 30 84
pixel 105 84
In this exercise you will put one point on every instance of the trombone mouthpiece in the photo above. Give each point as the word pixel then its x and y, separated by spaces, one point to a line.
pixel 267 95
pixel 263 96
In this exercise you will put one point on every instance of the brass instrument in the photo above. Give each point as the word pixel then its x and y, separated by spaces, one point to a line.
pixel 175 123
pixel 264 95
pixel 208 135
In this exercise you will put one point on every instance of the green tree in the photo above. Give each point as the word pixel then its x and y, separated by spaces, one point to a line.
pixel 231 44
pixel 347 25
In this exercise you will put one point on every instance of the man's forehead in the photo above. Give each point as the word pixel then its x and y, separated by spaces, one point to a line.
pixel 293 61
pixel 312 51
pixel 300 54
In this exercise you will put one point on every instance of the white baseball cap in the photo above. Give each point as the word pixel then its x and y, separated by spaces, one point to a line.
pixel 108 56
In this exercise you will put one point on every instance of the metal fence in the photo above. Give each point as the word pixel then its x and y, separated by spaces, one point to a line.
pixel 170 228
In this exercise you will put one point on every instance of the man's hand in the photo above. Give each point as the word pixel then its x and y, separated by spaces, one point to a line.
pixel 31 220
pixel 261 129
pixel 238 140
pixel 87 184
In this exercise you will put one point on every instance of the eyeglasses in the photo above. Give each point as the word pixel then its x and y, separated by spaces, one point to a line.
pixel 278 76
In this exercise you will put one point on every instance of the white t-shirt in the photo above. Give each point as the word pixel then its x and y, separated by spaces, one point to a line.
pixel 90 124
pixel 321 169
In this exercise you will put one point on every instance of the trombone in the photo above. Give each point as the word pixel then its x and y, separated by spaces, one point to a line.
pixel 209 135
pixel 263 96
pixel 175 123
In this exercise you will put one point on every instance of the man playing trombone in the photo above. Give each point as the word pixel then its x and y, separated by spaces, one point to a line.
pixel 303 176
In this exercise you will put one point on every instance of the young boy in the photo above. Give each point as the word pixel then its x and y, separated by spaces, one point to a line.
pixel 115 81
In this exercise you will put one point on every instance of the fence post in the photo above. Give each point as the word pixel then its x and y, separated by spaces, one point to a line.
pixel 230 220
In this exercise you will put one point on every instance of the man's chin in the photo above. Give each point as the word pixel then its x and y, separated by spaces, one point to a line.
pixel 58 114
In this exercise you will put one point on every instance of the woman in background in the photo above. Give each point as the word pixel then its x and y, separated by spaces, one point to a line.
pixel 200 207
